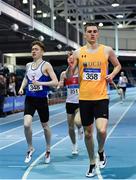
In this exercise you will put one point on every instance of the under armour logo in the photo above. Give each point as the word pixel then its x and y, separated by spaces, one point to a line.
pixel 83 56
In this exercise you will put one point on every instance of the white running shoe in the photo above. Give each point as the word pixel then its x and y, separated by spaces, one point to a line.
pixel 102 160
pixel 91 172
pixel 74 149
pixel 47 157
pixel 29 156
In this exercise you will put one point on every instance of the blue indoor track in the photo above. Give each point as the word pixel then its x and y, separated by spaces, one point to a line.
pixel 120 145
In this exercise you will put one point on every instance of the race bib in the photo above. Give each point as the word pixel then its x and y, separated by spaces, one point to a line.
pixel 33 87
pixel 72 91
pixel 91 74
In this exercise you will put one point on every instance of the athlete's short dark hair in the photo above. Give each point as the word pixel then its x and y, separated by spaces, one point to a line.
pixel 90 24
pixel 69 53
pixel 39 43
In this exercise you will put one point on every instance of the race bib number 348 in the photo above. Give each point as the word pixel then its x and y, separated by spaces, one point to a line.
pixel 91 74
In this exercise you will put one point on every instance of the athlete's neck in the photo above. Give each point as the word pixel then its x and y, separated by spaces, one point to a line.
pixel 92 46
pixel 37 61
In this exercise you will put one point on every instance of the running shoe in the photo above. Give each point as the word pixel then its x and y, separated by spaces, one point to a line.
pixel 47 157
pixel 74 149
pixel 92 171
pixel 102 160
pixel 29 155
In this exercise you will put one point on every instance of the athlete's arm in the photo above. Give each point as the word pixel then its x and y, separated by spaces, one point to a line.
pixel 75 63
pixel 61 81
pixel 23 85
pixel 24 82
pixel 114 61
pixel 126 80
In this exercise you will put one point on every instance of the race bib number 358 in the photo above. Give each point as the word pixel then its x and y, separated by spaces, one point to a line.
pixel 91 74
pixel 33 87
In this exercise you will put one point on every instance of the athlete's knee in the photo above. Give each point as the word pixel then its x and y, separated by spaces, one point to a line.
pixel 27 127
pixel 88 133
pixel 45 126
pixel 101 131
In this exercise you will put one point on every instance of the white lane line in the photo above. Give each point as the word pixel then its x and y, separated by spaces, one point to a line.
pixel 98 171
pixel 14 120
pixel 122 137
pixel 59 142
pixel 33 135
pixel 121 117
pixel 16 166
pixel 33 124
pixel 35 162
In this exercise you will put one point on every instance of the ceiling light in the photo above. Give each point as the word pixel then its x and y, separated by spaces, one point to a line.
pixel 68 20
pixel 100 24
pixel 45 15
pixel 25 1
pixel 59 46
pixel 120 25
pixel 34 6
pixel 115 4
pixel 119 16
pixel 38 11
pixel 41 38
pixel 54 17
pixel 14 27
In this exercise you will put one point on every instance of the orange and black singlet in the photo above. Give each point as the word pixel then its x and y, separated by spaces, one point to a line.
pixel 93 70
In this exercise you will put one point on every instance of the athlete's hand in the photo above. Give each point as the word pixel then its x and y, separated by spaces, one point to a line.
pixel 109 78
pixel 21 91
pixel 36 83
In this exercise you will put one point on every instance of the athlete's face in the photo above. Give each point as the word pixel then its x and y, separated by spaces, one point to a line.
pixel 91 34
pixel 70 60
pixel 37 52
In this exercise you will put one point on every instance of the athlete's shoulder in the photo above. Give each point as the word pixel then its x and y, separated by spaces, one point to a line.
pixel 108 48
pixel 28 65
pixel 46 65
pixel 77 52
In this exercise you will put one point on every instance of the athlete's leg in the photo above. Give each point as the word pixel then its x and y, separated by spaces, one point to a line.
pixel 43 111
pixel 28 130
pixel 70 109
pixel 47 133
pixel 124 93
pixel 101 126
pixel 121 94
pixel 78 123
pixel 89 142
pixel 71 128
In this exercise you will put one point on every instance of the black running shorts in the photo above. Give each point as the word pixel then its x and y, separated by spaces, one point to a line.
pixel 71 107
pixel 40 104
pixel 90 110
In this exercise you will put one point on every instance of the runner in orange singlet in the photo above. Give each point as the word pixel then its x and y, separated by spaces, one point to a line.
pixel 92 61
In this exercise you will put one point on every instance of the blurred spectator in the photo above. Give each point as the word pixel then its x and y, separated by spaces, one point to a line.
pixel 12 86
pixel 2 94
